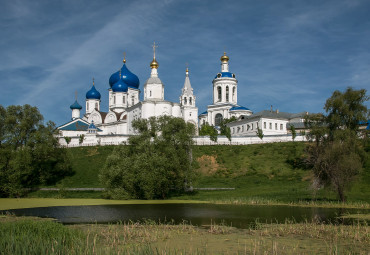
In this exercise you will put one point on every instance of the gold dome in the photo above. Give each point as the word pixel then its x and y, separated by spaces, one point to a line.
pixel 224 58
pixel 154 64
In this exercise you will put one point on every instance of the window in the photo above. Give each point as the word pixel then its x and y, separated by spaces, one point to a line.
pixel 96 106
pixel 275 126
pixel 87 106
pixel 133 100
pixel 270 125
pixel 190 100
pixel 218 119
pixel 150 93
pixel 185 100
pixel 219 94
pixel 234 94
pixel 264 125
pixel 190 114
pixel 242 128
pixel 252 126
pixel 281 126
pixel 227 93
pixel 114 99
pixel 124 100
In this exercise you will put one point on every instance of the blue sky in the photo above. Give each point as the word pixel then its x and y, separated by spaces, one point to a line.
pixel 289 54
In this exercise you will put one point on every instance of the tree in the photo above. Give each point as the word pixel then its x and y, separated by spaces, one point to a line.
pixel 29 151
pixel 259 133
pixel 153 163
pixel 224 129
pixel 336 154
pixel 81 139
pixel 68 139
pixel 293 131
pixel 209 130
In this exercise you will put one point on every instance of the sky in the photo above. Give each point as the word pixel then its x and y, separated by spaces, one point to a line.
pixel 288 54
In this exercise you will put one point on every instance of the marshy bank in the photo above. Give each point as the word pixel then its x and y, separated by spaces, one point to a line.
pixel 22 235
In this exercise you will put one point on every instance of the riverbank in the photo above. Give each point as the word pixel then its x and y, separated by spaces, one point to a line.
pixel 42 236
pixel 19 203
pixel 259 173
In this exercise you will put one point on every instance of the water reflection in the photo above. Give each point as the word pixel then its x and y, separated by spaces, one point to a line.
pixel 240 216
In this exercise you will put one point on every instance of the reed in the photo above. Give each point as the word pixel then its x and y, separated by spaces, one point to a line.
pixel 40 236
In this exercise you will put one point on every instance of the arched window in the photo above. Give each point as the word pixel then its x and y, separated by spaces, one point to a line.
pixel 227 93
pixel 185 100
pixel 218 119
pixel 133 100
pixel 234 94
pixel 190 100
pixel 219 93
pixel 114 99
pixel 124 99
pixel 150 93
pixel 96 106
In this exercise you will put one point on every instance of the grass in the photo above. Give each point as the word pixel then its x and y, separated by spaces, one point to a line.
pixel 260 173
pixel 40 236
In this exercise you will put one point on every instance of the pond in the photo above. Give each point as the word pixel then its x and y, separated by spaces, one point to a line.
pixel 240 216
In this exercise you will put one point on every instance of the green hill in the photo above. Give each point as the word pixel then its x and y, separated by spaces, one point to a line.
pixel 260 172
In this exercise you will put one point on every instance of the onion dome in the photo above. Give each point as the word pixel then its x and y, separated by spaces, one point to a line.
pixel 120 86
pixel 93 93
pixel 224 58
pixel 126 75
pixel 129 78
pixel 154 64
pixel 75 105
pixel 114 78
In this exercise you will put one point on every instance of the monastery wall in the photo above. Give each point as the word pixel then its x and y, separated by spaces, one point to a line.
pixel 92 140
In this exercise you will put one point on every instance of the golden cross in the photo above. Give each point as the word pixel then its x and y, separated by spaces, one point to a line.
pixel 124 57
pixel 154 46
pixel 93 81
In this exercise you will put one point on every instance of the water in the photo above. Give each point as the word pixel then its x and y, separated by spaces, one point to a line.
pixel 240 216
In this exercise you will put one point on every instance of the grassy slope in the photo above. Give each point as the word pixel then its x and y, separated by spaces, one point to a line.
pixel 262 171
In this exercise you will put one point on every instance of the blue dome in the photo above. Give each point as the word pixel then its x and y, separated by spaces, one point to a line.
pixel 129 78
pixel 93 93
pixel 239 108
pixel 120 86
pixel 225 74
pixel 75 105
pixel 114 78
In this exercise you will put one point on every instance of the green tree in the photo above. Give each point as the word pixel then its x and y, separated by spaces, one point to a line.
pixel 208 130
pixel 293 131
pixel 29 151
pixel 224 129
pixel 155 161
pixel 81 139
pixel 336 153
pixel 259 133
pixel 68 139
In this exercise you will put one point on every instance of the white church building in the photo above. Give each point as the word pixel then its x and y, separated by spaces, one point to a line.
pixel 124 104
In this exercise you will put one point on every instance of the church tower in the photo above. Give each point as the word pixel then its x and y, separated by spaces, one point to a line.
pixel 225 85
pixel 187 102
pixel 153 87
pixel 76 108
pixel 92 100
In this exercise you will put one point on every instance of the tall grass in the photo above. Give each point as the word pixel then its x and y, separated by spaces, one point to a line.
pixel 30 236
